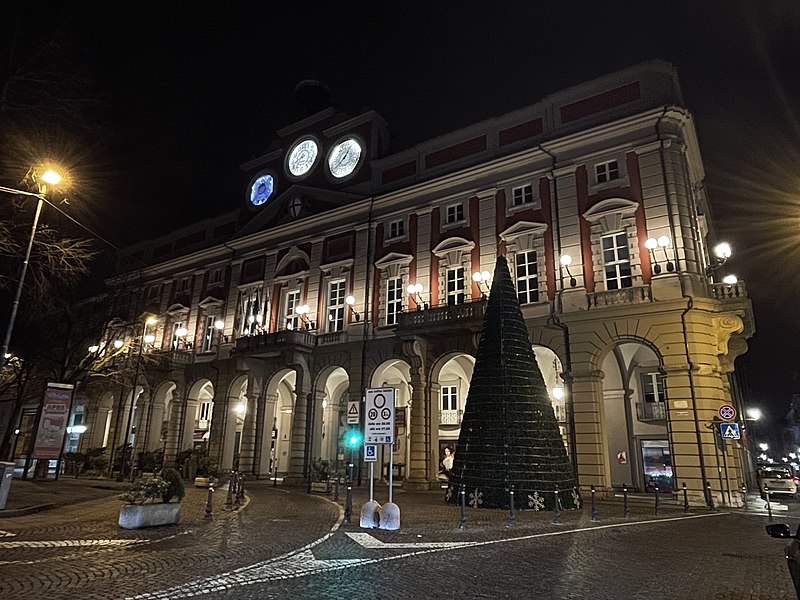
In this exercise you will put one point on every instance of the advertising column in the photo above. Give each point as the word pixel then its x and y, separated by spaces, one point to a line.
pixel 53 421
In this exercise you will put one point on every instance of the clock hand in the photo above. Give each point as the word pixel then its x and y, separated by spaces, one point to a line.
pixel 344 156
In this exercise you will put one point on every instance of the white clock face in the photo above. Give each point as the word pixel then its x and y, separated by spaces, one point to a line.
pixel 302 157
pixel 261 189
pixel 344 157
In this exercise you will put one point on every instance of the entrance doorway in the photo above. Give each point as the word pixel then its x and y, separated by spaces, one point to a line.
pixel 656 466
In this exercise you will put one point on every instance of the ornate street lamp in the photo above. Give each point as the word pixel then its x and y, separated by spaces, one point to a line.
pixel 47 177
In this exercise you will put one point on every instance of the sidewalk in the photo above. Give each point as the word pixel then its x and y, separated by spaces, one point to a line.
pixel 27 496
pixel 31 496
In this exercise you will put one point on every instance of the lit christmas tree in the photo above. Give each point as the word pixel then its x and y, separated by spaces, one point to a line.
pixel 509 435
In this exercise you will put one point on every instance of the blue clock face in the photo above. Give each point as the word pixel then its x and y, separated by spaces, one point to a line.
pixel 261 190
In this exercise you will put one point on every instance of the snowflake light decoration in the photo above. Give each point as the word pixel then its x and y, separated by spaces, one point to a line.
pixel 536 502
pixel 476 498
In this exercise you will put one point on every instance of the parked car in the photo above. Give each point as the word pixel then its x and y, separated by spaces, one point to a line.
pixel 792 551
pixel 779 481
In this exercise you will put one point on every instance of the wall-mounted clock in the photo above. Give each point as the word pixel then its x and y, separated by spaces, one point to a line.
pixel 344 157
pixel 302 157
pixel 261 189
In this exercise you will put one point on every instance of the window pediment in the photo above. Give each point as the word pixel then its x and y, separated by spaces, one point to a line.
pixel 337 269
pixel 394 258
pixel 294 263
pixel 451 250
pixel 609 213
pixel 209 302
pixel 524 233
pixel 177 310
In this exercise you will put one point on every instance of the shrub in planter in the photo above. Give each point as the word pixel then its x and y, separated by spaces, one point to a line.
pixel 146 490
pixel 148 501
pixel 175 486
pixel 150 462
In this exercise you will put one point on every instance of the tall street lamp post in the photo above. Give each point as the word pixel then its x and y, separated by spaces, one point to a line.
pixel 49 177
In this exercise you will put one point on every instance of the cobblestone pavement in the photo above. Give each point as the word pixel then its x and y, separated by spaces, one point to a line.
pixel 285 543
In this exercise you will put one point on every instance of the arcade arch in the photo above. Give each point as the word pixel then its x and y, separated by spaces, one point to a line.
pixel 636 417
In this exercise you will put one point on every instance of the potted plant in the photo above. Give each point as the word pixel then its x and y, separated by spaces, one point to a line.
pixel 321 475
pixel 206 468
pixel 148 503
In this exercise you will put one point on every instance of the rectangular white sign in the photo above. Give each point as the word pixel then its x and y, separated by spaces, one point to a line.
pixel 353 417
pixel 370 453
pixel 379 416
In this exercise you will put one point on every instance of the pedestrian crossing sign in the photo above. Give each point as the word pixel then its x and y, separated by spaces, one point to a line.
pixel 730 431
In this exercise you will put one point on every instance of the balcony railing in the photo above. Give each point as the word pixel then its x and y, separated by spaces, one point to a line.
pixel 469 314
pixel 651 411
pixel 633 295
pixel 288 338
pixel 729 291
pixel 450 417
pixel 169 359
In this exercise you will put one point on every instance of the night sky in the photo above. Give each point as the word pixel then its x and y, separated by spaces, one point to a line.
pixel 188 95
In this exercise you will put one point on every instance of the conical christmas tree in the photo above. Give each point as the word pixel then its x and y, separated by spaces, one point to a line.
pixel 509 435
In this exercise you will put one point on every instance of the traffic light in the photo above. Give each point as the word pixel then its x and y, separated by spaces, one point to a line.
pixel 353 439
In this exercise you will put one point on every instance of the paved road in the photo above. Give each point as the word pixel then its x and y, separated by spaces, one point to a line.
pixel 288 544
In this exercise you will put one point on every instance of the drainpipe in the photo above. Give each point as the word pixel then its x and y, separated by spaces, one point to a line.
pixel 367 314
pixel 555 320
pixel 684 294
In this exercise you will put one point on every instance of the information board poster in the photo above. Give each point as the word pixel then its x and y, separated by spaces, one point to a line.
pixel 53 422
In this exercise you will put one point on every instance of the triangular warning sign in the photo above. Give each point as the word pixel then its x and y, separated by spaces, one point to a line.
pixel 353 410
pixel 729 433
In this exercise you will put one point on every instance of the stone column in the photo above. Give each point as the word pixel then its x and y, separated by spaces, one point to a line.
pixel 155 419
pixel 299 414
pixel 174 437
pixel 591 445
pixel 248 460
pixel 421 469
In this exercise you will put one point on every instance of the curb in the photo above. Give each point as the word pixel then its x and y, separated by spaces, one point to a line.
pixel 19 512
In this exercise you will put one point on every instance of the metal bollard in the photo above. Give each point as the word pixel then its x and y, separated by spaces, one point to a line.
pixel 769 504
pixel 594 510
pixel 744 496
pixel 462 495
pixel 685 499
pixel 348 503
pixel 209 506
pixel 231 485
pixel 709 496
pixel 511 518
pixel 240 488
pixel 556 507
pixel 236 497
pixel 657 501
pixel 336 489
pixel 625 512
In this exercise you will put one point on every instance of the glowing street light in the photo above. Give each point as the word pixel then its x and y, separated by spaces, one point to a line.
pixel 482 279
pixel 47 177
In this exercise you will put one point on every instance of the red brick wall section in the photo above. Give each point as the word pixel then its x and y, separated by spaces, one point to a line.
pixel 582 185
pixel 549 263
pixel 635 191
pixel 520 132
pixel 467 148
pixel 399 172
pixel 600 102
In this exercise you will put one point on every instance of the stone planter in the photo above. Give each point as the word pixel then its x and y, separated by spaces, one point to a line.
pixel 321 487
pixel 136 516
pixel 202 482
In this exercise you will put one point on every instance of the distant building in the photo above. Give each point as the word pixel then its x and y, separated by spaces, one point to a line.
pixel 309 284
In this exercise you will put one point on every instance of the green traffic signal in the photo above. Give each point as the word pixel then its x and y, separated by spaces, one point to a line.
pixel 353 439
